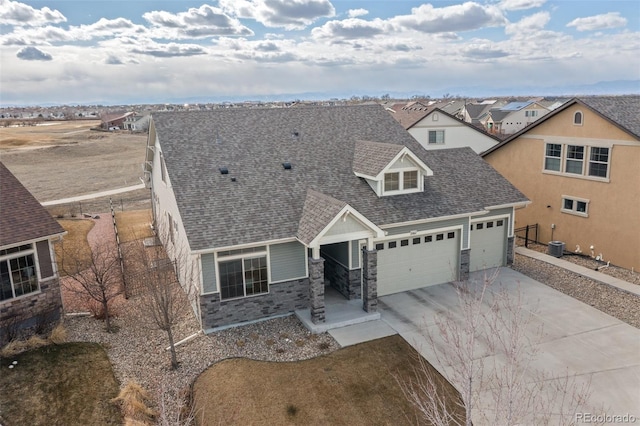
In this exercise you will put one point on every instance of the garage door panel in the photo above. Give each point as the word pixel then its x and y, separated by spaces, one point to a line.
pixel 413 265
pixel 488 243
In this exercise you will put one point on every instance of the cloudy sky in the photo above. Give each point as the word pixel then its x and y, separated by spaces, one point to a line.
pixel 163 50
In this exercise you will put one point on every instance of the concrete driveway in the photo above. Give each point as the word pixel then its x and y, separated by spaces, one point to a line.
pixel 576 339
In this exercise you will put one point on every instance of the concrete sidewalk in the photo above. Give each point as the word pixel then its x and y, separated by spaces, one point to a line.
pixel 94 195
pixel 581 270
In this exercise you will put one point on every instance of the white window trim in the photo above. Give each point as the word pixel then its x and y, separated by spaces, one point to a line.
pixel 36 265
pixel 243 257
pixel 401 189
pixel 585 161
pixel 575 205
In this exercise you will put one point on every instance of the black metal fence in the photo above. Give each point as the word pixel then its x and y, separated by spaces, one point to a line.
pixel 527 233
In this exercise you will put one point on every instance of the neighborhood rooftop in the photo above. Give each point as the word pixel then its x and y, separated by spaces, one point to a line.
pixel 259 200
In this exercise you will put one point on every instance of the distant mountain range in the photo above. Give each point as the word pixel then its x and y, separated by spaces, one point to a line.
pixel 617 87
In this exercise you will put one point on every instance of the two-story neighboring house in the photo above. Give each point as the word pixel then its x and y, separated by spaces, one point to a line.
pixel 29 284
pixel 580 167
pixel 261 206
pixel 436 129
pixel 514 116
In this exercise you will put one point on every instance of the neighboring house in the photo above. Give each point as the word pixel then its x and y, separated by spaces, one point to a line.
pixel 29 284
pixel 473 112
pixel 260 206
pixel 436 129
pixel 136 123
pixel 580 167
pixel 114 121
pixel 514 117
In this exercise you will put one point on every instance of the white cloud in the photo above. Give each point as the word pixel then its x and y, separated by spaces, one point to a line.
pixel 350 29
pixel 20 14
pixel 354 13
pixel 483 52
pixel 169 50
pixel 529 24
pixel 204 21
pixel 33 54
pixel 520 4
pixel 287 14
pixel 599 22
pixel 463 17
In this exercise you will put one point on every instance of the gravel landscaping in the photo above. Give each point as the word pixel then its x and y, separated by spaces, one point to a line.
pixel 617 303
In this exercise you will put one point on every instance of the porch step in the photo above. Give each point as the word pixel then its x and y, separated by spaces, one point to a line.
pixel 337 315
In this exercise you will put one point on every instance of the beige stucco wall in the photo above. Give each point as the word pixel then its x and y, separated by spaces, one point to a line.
pixel 613 225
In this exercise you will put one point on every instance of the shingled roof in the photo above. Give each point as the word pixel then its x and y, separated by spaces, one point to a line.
pixel 370 158
pixel 22 218
pixel 265 201
pixel 318 210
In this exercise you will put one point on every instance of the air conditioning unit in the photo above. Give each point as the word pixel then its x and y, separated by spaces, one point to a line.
pixel 556 248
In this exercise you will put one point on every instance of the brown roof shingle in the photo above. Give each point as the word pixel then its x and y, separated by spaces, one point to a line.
pixel 22 218
pixel 318 210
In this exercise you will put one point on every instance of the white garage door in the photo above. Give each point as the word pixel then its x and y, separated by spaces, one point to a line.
pixel 488 240
pixel 414 262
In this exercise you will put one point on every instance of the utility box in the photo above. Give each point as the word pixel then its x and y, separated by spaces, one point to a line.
pixel 556 248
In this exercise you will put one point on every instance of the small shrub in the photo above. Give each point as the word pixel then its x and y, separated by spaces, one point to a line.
pixel 133 400
pixel 58 335
pixel 240 343
pixel 284 336
pixel 323 346
pixel 300 343
pixel 270 342
pixel 280 350
pixel 292 410
pixel 254 336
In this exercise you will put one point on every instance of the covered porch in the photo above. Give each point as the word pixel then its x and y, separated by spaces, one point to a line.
pixel 342 264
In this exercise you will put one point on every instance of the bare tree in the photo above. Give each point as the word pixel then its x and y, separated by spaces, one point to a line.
pixel 488 355
pixel 97 276
pixel 162 302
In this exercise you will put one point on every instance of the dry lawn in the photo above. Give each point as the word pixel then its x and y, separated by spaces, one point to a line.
pixel 134 225
pixel 75 242
pixel 352 386
pixel 48 133
pixel 68 384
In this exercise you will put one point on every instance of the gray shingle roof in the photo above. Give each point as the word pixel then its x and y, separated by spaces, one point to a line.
pixel 22 218
pixel 623 110
pixel 318 210
pixel 266 202
pixel 370 158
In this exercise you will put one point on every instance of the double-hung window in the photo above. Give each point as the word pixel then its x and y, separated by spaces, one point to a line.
pixel 599 162
pixel 553 156
pixel 18 274
pixel 575 159
pixel 243 272
pixel 436 137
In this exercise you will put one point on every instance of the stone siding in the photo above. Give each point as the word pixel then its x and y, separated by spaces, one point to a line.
pixel 316 290
pixel 370 280
pixel 283 298
pixel 346 281
pixel 31 311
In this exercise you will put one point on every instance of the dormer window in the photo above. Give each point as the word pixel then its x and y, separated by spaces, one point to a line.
pixel 401 181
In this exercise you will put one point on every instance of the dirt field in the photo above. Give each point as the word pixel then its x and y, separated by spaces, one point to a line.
pixel 68 159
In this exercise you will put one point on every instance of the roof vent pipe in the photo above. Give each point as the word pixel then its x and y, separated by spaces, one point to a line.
pixel 286 165
pixel 224 171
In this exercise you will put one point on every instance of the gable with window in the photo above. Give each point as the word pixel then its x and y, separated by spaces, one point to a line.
pixel 401 172
pixel 577 160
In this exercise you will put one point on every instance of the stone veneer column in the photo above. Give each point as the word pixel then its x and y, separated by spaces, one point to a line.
pixel 465 259
pixel 369 280
pixel 316 290
pixel 510 244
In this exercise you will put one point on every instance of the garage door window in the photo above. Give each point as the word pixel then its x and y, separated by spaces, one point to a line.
pixel 479 226
pixel 499 222
pixel 439 237
pixel 392 244
pixel 428 238
pixel 489 225
pixel 380 246
pixel 404 243
pixel 416 241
